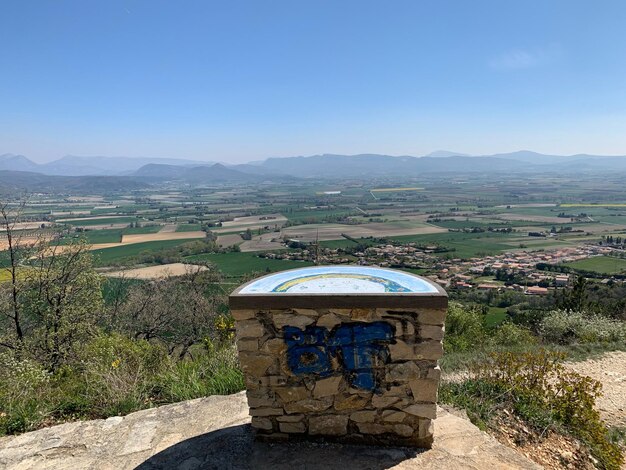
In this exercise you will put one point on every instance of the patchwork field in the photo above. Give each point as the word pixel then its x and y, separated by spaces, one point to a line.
pixel 321 232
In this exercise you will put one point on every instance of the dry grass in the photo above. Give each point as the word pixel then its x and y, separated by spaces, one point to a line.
pixel 160 236
pixel 155 272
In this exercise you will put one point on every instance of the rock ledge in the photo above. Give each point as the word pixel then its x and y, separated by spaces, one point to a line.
pixel 215 433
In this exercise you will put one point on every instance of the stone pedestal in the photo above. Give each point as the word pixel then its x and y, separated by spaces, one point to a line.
pixel 347 353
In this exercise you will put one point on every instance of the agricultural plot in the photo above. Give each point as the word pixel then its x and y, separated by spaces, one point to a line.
pixel 240 264
pixel 156 272
pixel 161 236
pixel 300 215
pixel 188 227
pixel 100 221
pixel 533 218
pixel 251 222
pixel 266 241
pixel 395 190
pixel 229 240
pixel 95 237
pixel 111 254
pixel 464 245
pixel 600 264
pixel 322 232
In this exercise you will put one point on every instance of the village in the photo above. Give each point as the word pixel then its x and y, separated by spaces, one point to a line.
pixel 516 270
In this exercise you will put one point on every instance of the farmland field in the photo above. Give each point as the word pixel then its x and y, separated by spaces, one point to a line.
pixel 117 253
pixel 155 272
pixel 239 264
pixel 600 264
pixel 334 231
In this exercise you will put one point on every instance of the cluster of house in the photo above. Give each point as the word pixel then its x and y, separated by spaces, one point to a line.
pixel 473 273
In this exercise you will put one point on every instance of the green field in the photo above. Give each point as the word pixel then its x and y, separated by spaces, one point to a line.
pixel 113 235
pixel 110 255
pixel 495 316
pixel 309 215
pixel 465 245
pixel 105 221
pixel 188 227
pixel 600 264
pixel 239 264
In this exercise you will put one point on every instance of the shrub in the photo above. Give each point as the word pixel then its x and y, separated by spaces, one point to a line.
pixel 566 327
pixel 116 373
pixel 213 373
pixel 538 388
pixel 510 334
pixel 464 328
pixel 23 385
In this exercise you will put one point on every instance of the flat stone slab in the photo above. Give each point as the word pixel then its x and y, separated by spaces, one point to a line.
pixel 214 433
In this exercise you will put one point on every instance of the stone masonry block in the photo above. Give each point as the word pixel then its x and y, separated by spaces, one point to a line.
pixel 432 332
pixel 327 387
pixel 243 314
pixel 363 416
pixel 431 317
pixel 262 423
pixel 291 319
pixel 328 425
pixel 422 410
pixel 431 350
pixel 292 428
pixel 255 364
pixel 424 390
pixel 249 329
pixel 290 394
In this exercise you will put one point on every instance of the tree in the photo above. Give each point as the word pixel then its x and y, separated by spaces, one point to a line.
pixel 17 252
pixel 177 311
pixel 52 297
pixel 575 299
pixel 62 301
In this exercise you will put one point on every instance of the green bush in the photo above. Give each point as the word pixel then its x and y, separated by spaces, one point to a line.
pixel 566 327
pixel 117 372
pixel 208 374
pixel 111 375
pixel 465 328
pixel 510 334
pixel 23 386
pixel 538 388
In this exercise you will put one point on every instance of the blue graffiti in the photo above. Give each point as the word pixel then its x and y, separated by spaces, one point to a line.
pixel 361 349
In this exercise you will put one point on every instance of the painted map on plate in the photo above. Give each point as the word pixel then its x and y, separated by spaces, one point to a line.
pixel 339 280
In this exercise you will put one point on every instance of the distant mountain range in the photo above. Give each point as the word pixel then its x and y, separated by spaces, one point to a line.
pixel 72 165
pixel 16 182
pixel 148 170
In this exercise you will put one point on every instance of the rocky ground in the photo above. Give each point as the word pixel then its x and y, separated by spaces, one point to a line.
pixel 214 433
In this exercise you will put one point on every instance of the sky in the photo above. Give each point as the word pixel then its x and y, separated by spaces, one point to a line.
pixel 238 81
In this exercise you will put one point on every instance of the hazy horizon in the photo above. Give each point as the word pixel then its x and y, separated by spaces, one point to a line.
pixel 183 158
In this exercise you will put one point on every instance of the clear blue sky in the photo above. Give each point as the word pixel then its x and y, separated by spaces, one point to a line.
pixel 243 80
